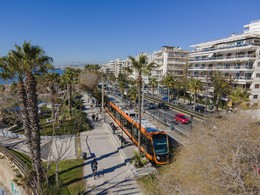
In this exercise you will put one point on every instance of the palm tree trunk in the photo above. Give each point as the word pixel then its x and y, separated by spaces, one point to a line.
pixel 139 113
pixel 168 94
pixel 153 95
pixel 69 91
pixel 195 94
pixel 25 117
pixel 52 102
pixel 217 102
pixel 35 127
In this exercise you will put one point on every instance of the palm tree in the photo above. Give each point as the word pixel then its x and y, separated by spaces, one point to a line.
pixel 122 89
pixel 127 70
pixel 24 63
pixel 239 96
pixel 34 62
pixel 195 86
pixel 142 67
pixel 11 68
pixel 222 86
pixel 132 94
pixel 69 77
pixel 51 80
pixel 153 83
pixel 168 81
pixel 92 67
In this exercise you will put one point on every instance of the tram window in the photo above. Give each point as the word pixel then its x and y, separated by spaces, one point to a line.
pixel 150 147
pixel 129 127
pixel 117 116
pixel 113 111
pixel 124 122
pixel 144 141
pixel 135 133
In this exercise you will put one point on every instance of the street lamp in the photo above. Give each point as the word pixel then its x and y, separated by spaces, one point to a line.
pixel 191 120
pixel 103 115
pixel 143 97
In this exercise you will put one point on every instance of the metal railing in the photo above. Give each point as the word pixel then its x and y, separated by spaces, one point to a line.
pixel 17 162
pixel 222 57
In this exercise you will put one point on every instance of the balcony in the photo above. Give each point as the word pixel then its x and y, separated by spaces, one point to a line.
pixel 234 67
pixel 225 47
pixel 225 58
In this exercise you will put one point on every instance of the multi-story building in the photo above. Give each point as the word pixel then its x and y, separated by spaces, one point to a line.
pixel 115 66
pixel 237 56
pixel 170 60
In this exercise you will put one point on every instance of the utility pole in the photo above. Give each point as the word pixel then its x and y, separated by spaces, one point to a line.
pixel 207 90
pixel 103 115
pixel 143 97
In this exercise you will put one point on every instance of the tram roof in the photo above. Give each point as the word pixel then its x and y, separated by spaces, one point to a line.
pixel 150 128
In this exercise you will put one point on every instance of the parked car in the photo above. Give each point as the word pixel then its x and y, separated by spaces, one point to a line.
pixel 163 106
pixel 176 103
pixel 200 109
pixel 181 118
pixel 151 105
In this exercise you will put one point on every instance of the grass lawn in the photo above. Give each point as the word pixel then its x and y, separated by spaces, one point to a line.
pixel 70 172
pixel 65 128
pixel 148 184
pixel 71 175
pixel 23 157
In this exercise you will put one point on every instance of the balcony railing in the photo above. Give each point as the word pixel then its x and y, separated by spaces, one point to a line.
pixel 236 78
pixel 227 47
pixel 223 58
pixel 222 68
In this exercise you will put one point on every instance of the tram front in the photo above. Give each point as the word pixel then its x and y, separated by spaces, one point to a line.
pixel 161 148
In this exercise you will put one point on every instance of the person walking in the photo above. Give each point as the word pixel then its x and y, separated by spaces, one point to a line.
pixel 97 117
pixel 94 166
pixel 93 117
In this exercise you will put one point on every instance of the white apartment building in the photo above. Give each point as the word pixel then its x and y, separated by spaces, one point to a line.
pixel 237 56
pixel 170 60
pixel 115 66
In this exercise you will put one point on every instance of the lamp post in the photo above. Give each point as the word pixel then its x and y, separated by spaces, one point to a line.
pixel 103 115
pixel 143 97
pixel 191 120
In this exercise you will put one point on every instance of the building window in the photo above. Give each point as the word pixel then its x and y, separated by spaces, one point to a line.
pixel 255 96
pixel 257 75
pixel 258 64
pixel 257 86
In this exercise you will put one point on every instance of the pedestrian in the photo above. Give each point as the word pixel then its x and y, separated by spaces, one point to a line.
pixel 93 116
pixel 94 166
pixel 97 117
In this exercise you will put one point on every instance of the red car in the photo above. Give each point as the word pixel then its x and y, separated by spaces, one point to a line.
pixel 181 118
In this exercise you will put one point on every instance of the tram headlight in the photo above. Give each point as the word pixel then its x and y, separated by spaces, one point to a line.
pixel 158 157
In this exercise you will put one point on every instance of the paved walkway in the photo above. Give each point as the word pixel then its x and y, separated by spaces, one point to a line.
pixel 114 176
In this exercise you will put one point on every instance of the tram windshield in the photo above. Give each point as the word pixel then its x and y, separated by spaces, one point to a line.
pixel 160 144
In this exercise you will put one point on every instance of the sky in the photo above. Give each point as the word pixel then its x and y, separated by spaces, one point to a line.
pixel 76 32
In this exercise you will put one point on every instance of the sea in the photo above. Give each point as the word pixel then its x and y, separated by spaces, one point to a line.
pixel 57 70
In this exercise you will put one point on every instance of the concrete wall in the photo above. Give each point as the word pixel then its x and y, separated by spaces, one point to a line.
pixel 7 175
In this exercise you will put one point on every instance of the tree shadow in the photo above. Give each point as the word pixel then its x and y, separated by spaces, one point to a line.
pixel 73 181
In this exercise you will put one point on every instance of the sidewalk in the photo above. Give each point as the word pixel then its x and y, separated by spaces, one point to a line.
pixel 113 175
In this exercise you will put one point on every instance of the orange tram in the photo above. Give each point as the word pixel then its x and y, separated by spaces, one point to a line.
pixel 154 143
